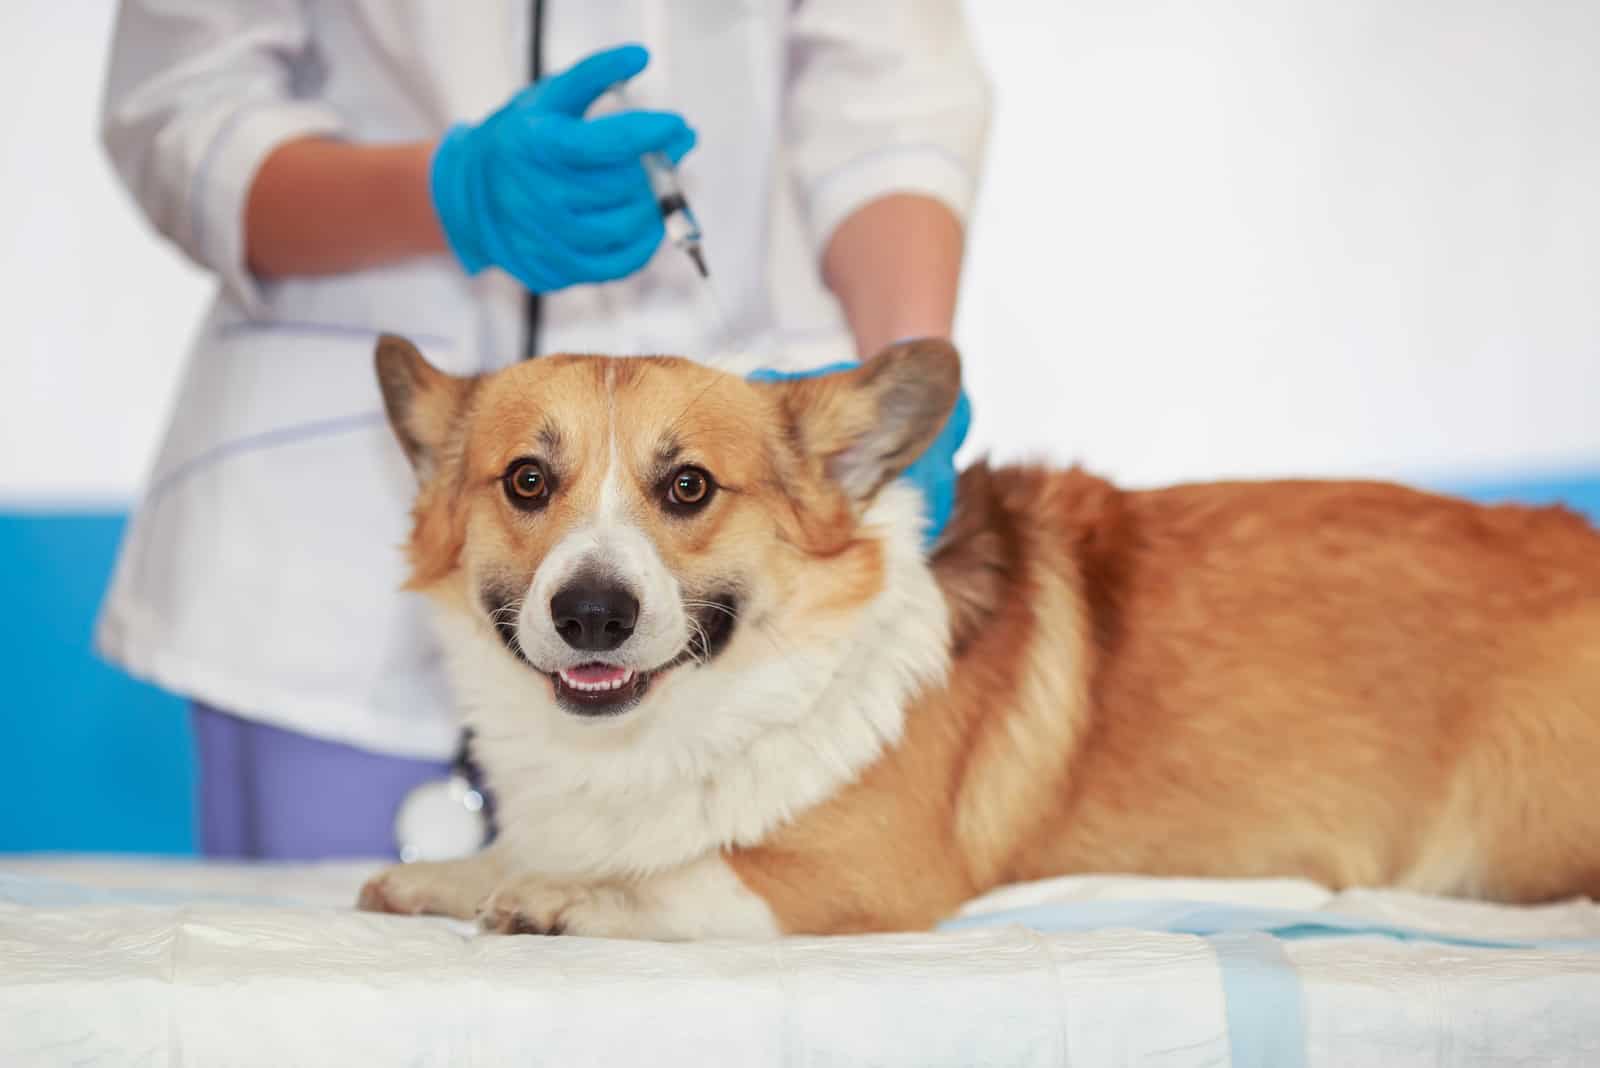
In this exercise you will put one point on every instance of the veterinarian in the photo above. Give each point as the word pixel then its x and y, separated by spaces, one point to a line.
pixel 433 169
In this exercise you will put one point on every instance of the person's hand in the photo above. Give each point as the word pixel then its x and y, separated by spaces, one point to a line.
pixel 934 472
pixel 548 196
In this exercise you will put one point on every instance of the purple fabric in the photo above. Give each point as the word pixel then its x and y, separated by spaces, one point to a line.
pixel 269 793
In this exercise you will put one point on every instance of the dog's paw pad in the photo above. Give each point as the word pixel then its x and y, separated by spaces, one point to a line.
pixel 380 894
pixel 421 889
pixel 520 923
pixel 372 897
pixel 534 907
pixel 508 919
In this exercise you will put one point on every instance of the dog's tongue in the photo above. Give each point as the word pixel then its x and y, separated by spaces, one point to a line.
pixel 593 673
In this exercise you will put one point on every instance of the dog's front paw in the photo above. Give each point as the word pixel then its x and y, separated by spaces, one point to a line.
pixel 535 906
pixel 448 888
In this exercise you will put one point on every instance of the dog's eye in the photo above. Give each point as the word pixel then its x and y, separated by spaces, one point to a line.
pixel 527 483
pixel 690 488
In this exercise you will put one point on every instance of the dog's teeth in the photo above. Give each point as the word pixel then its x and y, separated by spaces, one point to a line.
pixel 598 687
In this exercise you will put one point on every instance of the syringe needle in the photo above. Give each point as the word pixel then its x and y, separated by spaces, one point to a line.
pixel 699 260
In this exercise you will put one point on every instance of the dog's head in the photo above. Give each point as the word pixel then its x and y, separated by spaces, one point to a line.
pixel 616 527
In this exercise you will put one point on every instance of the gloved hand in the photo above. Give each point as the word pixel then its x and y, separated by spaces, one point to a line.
pixel 934 472
pixel 548 196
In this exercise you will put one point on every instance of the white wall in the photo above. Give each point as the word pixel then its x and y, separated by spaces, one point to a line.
pixel 1290 236
pixel 1222 237
pixel 97 312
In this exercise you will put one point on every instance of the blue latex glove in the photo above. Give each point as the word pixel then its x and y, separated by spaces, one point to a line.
pixel 550 197
pixel 934 472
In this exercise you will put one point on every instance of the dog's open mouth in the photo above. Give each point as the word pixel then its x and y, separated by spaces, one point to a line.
pixel 600 689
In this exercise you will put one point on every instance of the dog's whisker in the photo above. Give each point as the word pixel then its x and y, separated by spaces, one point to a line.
pixel 511 609
pixel 713 606
pixel 699 644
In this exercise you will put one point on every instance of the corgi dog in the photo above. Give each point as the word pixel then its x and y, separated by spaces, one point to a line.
pixel 719 689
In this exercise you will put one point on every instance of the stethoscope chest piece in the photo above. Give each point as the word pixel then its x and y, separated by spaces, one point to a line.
pixel 441 820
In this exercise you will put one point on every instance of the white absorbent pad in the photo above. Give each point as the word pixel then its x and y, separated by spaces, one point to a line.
pixel 185 963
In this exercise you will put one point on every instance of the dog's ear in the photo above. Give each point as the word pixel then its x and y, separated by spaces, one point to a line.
pixel 871 423
pixel 423 403
pixel 425 408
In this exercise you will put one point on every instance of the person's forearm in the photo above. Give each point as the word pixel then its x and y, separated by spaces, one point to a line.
pixel 895 266
pixel 325 207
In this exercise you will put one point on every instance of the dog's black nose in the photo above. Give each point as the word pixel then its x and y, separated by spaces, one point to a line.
pixel 594 615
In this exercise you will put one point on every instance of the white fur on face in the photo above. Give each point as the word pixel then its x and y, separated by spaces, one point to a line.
pixel 716 755
pixel 612 546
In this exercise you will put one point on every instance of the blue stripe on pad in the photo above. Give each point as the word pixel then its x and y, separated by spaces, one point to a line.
pixel 1263 999
pixel 1206 919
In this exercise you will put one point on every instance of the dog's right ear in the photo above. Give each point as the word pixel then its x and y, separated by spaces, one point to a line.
pixel 869 424
pixel 422 401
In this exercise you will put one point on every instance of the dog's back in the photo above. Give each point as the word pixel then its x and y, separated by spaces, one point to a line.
pixel 1352 682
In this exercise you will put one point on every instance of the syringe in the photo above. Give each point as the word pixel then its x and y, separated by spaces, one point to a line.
pixel 683 230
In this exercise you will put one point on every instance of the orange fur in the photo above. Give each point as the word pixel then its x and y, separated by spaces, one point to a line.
pixel 1348 682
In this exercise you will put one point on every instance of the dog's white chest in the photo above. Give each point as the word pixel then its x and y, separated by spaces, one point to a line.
pixel 571 813
pixel 574 836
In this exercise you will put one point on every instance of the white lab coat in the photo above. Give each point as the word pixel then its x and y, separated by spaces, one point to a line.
pixel 262 571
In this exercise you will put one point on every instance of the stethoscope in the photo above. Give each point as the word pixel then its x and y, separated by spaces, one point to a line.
pixel 449 818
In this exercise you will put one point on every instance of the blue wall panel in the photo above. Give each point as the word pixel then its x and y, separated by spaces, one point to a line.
pixel 89 759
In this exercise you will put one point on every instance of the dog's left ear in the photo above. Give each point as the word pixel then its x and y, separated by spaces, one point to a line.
pixel 422 401
pixel 871 423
